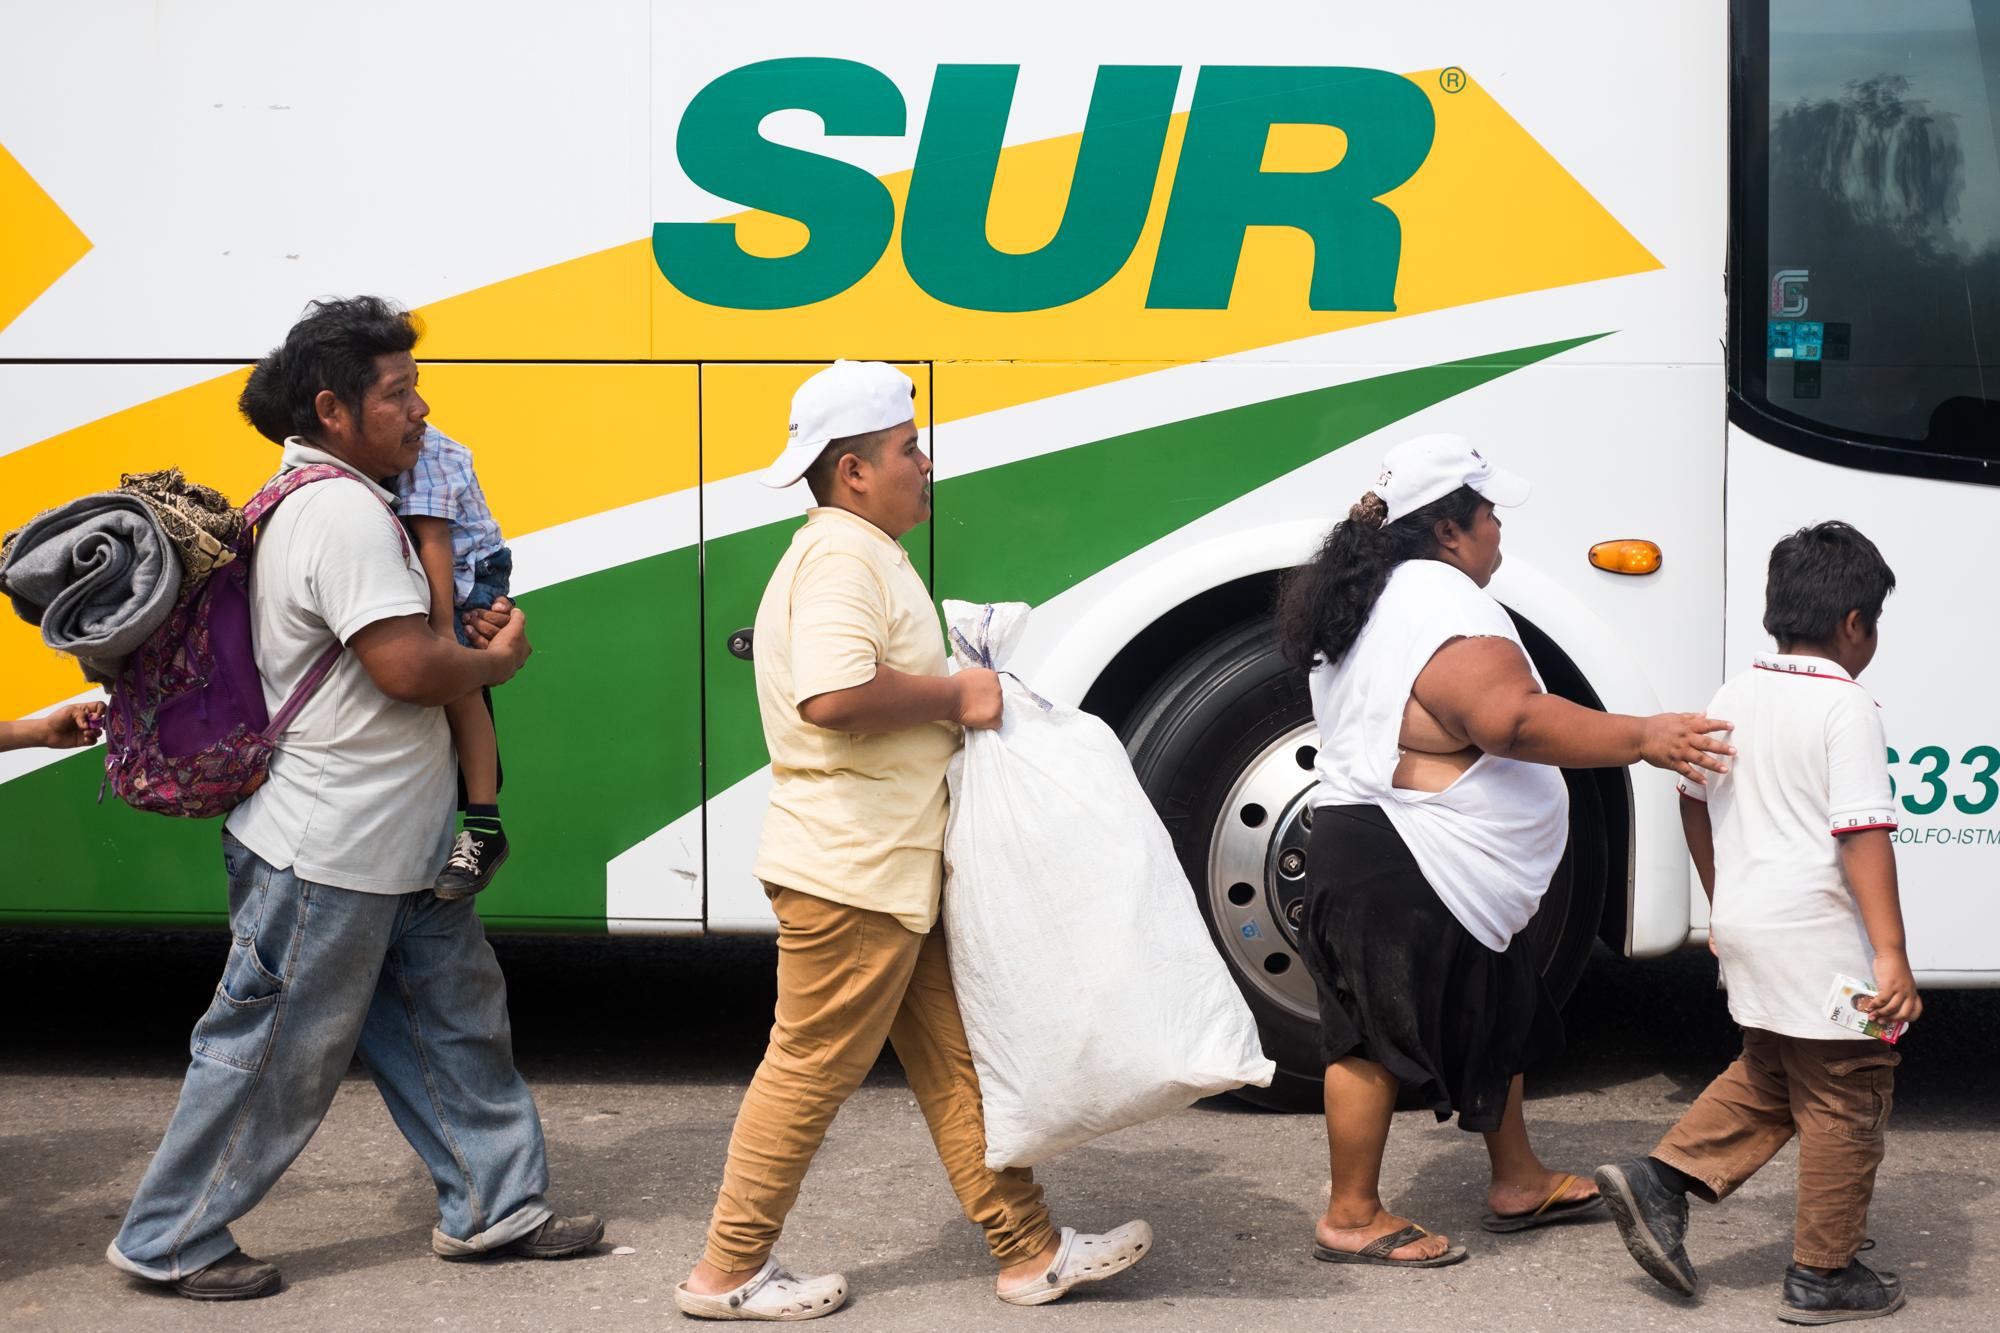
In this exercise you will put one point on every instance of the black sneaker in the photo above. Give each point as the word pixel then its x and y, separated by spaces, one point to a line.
pixel 558 1238
pixel 1652 1220
pixel 1855 1292
pixel 233 1277
pixel 475 859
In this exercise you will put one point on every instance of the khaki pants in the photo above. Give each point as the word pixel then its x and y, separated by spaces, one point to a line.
pixel 847 980
pixel 1835 1095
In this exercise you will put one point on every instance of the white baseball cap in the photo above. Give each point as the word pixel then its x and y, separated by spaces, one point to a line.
pixel 1430 467
pixel 847 398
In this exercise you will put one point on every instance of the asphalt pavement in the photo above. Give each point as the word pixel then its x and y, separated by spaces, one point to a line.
pixel 638 1051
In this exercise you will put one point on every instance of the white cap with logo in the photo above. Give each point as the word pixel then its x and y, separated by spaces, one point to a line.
pixel 847 398
pixel 1429 467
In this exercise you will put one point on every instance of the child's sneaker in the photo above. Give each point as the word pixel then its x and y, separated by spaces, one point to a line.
pixel 475 859
pixel 1855 1292
pixel 1652 1220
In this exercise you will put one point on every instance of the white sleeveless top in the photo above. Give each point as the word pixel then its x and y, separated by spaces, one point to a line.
pixel 1488 843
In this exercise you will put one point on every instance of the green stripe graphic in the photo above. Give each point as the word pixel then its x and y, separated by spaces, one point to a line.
pixel 598 735
pixel 601 733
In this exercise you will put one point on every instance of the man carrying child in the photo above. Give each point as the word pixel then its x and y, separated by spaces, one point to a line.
pixel 339 943
pixel 1793 846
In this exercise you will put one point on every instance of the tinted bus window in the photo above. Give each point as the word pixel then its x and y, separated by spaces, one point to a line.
pixel 1867 292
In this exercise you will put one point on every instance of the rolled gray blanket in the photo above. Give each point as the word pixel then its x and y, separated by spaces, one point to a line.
pixel 97 574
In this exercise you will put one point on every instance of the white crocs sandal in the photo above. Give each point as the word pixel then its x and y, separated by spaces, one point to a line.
pixel 1081 1259
pixel 771 1294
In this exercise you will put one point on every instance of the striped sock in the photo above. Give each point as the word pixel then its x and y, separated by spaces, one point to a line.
pixel 483 820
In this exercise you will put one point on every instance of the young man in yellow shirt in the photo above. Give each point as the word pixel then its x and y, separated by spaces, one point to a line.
pixel 861 720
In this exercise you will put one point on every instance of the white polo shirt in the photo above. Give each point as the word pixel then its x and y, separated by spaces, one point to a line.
pixel 361 787
pixel 1811 764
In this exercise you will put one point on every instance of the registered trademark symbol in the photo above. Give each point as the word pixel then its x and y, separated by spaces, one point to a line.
pixel 1452 80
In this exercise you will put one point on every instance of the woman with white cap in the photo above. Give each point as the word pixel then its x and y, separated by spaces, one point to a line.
pixel 1439 817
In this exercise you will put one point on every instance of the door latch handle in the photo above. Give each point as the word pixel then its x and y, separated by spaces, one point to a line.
pixel 740 643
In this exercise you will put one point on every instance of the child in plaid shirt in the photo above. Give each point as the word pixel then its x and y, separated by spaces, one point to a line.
pixel 469 567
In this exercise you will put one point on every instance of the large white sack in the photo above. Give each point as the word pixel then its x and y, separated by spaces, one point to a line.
pixel 1092 995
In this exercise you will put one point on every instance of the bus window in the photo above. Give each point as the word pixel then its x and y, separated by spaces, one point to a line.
pixel 1866 247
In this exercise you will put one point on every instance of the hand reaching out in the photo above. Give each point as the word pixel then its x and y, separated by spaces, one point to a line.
pixel 65 729
pixel 75 725
pixel 1689 744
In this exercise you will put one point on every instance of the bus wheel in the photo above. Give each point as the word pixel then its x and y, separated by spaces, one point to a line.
pixel 1224 745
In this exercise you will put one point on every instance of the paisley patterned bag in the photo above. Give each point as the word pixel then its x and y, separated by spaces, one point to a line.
pixel 187 732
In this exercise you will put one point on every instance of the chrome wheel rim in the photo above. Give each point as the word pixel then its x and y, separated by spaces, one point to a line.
pixel 1256 870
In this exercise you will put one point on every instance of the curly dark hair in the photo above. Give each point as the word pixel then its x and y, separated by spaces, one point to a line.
pixel 1323 604
pixel 263 399
pixel 333 346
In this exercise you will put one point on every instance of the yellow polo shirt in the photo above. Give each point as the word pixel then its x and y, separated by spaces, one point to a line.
pixel 853 819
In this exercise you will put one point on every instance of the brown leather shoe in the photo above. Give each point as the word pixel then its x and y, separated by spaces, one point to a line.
pixel 233 1277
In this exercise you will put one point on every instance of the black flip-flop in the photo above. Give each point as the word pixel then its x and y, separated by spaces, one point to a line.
pixel 1377 1251
pixel 1550 1212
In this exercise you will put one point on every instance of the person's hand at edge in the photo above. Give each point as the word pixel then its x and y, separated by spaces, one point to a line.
pixel 73 725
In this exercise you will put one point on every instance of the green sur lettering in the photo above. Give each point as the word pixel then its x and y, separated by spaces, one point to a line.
pixel 1220 188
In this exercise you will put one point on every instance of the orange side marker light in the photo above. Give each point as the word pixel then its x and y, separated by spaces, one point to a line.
pixel 1628 556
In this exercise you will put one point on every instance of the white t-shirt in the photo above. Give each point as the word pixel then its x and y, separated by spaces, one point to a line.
pixel 1811 764
pixel 1488 843
pixel 361 787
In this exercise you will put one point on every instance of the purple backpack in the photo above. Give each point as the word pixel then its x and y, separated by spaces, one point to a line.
pixel 187 732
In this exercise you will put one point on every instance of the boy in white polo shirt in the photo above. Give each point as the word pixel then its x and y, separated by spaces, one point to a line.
pixel 861 721
pixel 1794 848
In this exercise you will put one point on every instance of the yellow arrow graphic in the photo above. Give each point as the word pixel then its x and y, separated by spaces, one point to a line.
pixel 41 241
pixel 1490 214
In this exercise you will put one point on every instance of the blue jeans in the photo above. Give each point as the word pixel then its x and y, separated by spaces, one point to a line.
pixel 314 972
pixel 491 580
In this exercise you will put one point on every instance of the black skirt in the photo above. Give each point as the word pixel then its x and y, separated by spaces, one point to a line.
pixel 1402 983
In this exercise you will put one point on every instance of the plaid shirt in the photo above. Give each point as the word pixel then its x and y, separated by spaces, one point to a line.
pixel 442 485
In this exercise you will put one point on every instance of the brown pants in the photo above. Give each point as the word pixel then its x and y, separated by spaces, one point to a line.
pixel 1835 1095
pixel 847 980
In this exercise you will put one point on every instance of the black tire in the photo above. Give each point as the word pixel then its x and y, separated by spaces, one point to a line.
pixel 1233 719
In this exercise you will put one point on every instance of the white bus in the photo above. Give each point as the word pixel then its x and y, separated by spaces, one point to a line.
pixel 1169 278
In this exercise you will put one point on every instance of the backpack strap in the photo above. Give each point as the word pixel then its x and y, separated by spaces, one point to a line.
pixel 264 501
pixel 303 692
pixel 261 504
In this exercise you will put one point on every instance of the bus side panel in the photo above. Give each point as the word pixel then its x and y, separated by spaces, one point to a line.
pixel 1930 674
pixel 746 528
pixel 1192 476
pixel 591 473
pixel 224 163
